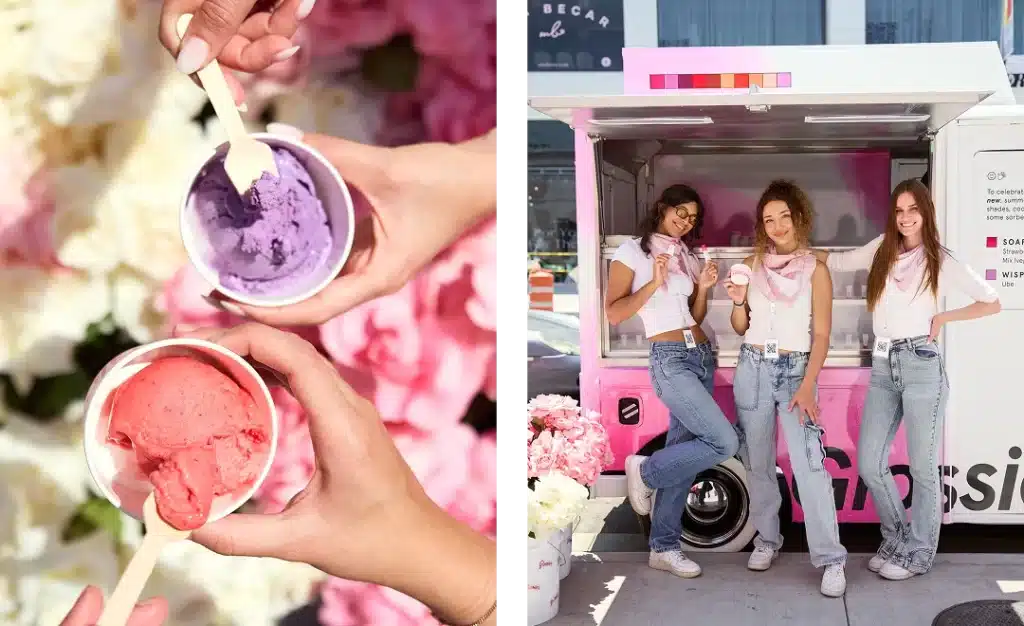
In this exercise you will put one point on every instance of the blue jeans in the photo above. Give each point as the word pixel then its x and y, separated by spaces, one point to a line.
pixel 763 389
pixel 910 387
pixel 699 435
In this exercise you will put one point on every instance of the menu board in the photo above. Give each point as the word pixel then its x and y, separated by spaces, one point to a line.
pixel 993 227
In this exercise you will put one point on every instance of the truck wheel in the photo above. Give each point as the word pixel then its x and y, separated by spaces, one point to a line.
pixel 717 513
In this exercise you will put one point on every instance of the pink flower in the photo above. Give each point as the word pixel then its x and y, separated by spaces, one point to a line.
pixel 544 453
pixel 347 603
pixel 338 26
pixel 553 411
pixel 184 304
pixel 475 503
pixel 448 28
pixel 472 262
pixel 454 109
pixel 294 461
pixel 415 353
pixel 26 212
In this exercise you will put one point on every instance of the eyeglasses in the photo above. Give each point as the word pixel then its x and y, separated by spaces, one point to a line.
pixel 689 217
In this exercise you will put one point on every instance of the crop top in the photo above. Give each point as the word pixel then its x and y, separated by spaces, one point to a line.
pixel 668 309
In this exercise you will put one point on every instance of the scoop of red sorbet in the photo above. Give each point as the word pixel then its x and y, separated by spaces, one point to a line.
pixel 195 432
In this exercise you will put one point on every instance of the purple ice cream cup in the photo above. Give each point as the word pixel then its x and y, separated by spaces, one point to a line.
pixel 204 250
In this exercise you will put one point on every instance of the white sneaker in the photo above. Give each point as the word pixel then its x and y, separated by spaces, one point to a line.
pixel 891 571
pixel 833 581
pixel 675 562
pixel 639 493
pixel 876 563
pixel 761 558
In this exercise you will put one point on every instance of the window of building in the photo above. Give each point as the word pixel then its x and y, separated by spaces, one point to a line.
pixel 740 22
pixel 551 197
pixel 929 21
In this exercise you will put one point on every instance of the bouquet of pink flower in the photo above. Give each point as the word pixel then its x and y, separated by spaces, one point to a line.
pixel 562 438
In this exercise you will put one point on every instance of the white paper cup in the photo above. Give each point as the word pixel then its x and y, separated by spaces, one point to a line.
pixel 333 194
pixel 114 470
pixel 739 274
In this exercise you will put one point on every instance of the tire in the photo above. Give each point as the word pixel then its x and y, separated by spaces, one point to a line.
pixel 725 524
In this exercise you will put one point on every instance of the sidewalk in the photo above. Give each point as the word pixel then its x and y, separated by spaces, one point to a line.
pixel 618 589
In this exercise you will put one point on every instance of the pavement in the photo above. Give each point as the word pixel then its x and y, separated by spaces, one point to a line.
pixel 619 589
pixel 610 584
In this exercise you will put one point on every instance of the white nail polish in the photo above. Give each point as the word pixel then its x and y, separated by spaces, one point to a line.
pixel 286 54
pixel 192 55
pixel 285 130
pixel 305 8
pixel 232 308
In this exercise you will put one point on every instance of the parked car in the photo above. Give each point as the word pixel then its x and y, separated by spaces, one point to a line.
pixel 553 354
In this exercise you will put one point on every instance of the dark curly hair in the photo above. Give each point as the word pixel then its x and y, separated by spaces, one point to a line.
pixel 670 199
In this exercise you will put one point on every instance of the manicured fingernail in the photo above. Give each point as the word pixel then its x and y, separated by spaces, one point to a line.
pixel 286 130
pixel 286 54
pixel 305 8
pixel 192 55
pixel 225 305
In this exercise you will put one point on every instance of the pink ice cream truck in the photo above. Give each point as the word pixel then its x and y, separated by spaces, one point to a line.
pixel 846 123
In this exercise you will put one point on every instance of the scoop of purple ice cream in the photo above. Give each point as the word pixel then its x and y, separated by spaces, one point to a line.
pixel 278 231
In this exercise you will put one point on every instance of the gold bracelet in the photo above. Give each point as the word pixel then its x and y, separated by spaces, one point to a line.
pixel 480 621
pixel 489 612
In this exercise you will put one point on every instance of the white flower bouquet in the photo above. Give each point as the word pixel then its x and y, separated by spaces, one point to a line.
pixel 553 502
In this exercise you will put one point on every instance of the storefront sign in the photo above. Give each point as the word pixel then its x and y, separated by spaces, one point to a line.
pixel 580 36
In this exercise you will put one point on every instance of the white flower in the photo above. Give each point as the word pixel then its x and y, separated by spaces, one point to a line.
pixel 72 39
pixel 341 110
pixel 205 588
pixel 132 304
pixel 16 33
pixel 124 210
pixel 43 477
pixel 43 315
pixel 554 502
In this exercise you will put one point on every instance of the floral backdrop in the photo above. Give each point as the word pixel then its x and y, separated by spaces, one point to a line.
pixel 97 133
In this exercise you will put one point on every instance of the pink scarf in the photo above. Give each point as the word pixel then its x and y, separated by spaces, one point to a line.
pixel 908 270
pixel 682 262
pixel 782 277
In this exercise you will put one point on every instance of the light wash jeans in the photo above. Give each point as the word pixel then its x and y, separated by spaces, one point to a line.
pixel 763 389
pixel 910 387
pixel 699 435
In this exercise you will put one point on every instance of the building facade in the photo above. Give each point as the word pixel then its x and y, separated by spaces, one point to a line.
pixel 573 46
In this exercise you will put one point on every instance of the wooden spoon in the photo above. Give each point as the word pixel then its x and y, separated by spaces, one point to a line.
pixel 247 158
pixel 158 534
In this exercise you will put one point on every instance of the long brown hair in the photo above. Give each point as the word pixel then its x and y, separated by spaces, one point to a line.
pixel 800 209
pixel 889 251
pixel 671 198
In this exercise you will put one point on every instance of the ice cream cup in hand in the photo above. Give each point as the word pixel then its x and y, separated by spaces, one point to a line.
pixel 280 244
pixel 241 468
pixel 739 274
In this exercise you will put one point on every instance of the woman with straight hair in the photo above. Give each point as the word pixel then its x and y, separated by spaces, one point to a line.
pixel 908 272
pixel 785 320
pixel 656 277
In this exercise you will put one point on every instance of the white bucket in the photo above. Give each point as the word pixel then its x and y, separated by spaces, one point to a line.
pixel 564 551
pixel 542 581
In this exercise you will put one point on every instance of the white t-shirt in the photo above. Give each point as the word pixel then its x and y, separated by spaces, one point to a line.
pixel 668 309
pixel 901 314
